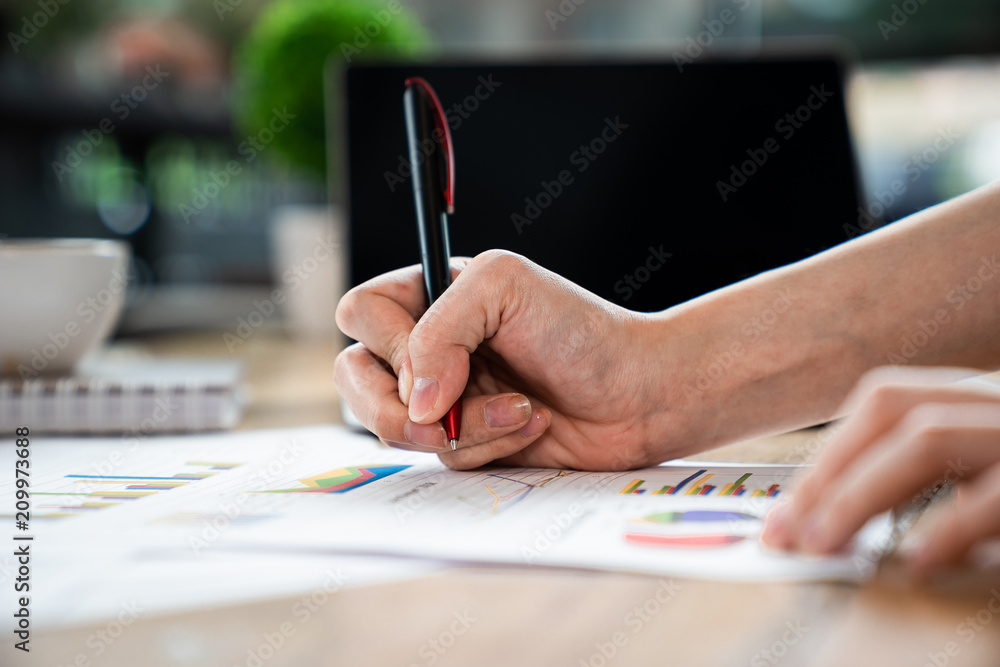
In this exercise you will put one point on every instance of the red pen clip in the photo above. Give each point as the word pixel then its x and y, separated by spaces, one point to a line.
pixel 441 121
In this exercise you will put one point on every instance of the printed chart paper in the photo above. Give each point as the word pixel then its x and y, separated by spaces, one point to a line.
pixel 328 491
pixel 107 543
pixel 700 520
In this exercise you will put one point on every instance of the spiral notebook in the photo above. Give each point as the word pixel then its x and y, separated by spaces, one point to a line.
pixel 127 397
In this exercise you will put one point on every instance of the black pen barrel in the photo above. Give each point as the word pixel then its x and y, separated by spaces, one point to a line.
pixel 427 161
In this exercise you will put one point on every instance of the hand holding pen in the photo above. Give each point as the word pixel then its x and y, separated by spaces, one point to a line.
pixel 542 368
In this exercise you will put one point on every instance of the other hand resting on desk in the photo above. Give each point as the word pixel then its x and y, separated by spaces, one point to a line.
pixel 909 432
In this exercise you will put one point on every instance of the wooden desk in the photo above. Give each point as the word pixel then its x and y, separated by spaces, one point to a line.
pixel 534 616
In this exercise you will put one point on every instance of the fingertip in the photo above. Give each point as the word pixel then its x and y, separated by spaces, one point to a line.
pixel 775 531
pixel 539 421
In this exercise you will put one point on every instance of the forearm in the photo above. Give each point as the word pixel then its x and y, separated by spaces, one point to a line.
pixel 782 350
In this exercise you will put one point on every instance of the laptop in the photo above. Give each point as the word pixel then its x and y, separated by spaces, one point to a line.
pixel 647 183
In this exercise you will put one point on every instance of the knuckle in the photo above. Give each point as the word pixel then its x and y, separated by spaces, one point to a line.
pixel 376 421
pixel 498 262
pixel 926 428
pixel 421 340
pixel 507 274
pixel 396 350
pixel 851 507
pixel 928 417
pixel 881 387
pixel 883 396
pixel 347 310
pixel 425 340
pixel 342 364
pixel 883 375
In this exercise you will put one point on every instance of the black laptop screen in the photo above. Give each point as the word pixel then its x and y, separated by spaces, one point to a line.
pixel 643 183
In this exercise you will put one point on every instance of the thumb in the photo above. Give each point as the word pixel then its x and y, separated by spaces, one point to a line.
pixel 469 312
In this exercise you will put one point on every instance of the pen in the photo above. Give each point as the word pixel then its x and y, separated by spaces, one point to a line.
pixel 907 516
pixel 433 163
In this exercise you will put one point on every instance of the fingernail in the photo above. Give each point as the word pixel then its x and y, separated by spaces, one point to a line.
pixel 425 435
pixel 405 383
pixel 536 424
pixel 507 411
pixel 423 397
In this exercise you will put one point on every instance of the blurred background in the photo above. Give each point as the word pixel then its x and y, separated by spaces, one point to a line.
pixel 164 122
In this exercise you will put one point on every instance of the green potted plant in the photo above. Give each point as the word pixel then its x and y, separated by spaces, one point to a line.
pixel 281 64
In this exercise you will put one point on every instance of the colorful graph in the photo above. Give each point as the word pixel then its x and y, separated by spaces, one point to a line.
pixel 697 516
pixel 110 490
pixel 693 529
pixel 504 491
pixel 697 485
pixel 684 541
pixel 342 480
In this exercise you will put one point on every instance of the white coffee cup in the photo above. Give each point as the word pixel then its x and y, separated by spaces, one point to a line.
pixel 59 300
pixel 308 263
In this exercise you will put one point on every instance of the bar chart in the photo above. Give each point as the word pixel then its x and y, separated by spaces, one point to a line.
pixel 699 484
pixel 81 494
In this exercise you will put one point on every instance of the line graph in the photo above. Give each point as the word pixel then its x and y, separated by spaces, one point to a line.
pixel 503 491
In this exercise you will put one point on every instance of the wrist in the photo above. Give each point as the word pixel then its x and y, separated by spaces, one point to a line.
pixel 670 404
pixel 730 366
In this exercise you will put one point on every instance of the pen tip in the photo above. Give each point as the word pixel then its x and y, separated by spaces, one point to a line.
pixel 454 444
